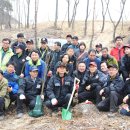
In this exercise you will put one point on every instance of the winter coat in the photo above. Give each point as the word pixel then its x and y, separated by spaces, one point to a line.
pixel 96 60
pixel 56 55
pixel 81 55
pixel 12 81
pixel 98 78
pixel 3 91
pixel 65 47
pixel 44 54
pixel 30 88
pixel 7 55
pixel 117 53
pixel 116 84
pixel 126 90
pixel 19 61
pixel 109 60
pixel 125 66
pixel 57 89
pixel 40 65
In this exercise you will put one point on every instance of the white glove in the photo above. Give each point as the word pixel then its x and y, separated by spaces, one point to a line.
pixel 54 101
pixel 42 97
pixel 22 97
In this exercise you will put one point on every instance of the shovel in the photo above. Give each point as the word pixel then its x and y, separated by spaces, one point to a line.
pixel 38 109
pixel 66 113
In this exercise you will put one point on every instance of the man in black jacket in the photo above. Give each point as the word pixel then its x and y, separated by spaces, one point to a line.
pixel 30 87
pixel 112 92
pixel 59 89
pixel 92 83
pixel 125 62
pixel 19 59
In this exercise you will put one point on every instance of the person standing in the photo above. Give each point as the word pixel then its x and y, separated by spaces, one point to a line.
pixel 5 53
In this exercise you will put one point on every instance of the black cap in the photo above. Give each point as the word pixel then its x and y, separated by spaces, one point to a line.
pixel 75 37
pixel 58 43
pixel 61 64
pixel 29 41
pixel 20 46
pixel 44 40
pixel 20 35
pixel 112 66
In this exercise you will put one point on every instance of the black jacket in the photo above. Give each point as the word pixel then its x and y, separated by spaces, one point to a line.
pixel 20 63
pixel 125 66
pixel 55 88
pixel 56 55
pixel 116 84
pixel 29 88
pixel 98 78
pixel 65 47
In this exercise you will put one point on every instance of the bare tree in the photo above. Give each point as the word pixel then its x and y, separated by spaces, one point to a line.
pixel 28 12
pixel 86 19
pixel 72 22
pixel 36 12
pixel 68 8
pixel 104 11
pixel 56 14
pixel 115 24
pixel 93 20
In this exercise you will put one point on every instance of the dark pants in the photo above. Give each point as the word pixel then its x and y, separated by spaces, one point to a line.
pixel 2 104
pixel 62 102
pixel 29 101
pixel 90 95
pixel 111 102
pixel 13 97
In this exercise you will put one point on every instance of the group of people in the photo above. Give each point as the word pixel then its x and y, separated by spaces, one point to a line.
pixel 104 77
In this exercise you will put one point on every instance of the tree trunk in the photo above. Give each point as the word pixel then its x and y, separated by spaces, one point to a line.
pixel 91 42
pixel 56 14
pixel 86 20
pixel 28 12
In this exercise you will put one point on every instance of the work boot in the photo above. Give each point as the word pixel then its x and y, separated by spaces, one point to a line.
pixel 19 115
pixel 2 117
pixel 111 114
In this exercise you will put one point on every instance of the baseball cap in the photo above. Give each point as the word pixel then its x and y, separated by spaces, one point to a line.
pixel 33 68
pixel 61 64
pixel 44 40
pixel 29 41
pixel 93 64
pixel 20 46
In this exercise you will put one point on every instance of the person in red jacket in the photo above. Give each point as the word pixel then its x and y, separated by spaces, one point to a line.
pixel 118 50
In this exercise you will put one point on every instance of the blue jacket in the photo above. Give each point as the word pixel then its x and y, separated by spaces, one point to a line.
pixel 12 81
pixel 40 65
pixel 97 61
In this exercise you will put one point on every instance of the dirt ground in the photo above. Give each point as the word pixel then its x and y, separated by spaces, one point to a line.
pixel 85 117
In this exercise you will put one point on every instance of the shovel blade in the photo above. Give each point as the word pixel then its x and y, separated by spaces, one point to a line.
pixel 66 114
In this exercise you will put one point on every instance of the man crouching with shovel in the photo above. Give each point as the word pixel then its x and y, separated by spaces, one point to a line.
pixel 59 89
pixel 30 87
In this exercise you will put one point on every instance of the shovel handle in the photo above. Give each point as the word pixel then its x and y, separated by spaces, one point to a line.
pixel 74 88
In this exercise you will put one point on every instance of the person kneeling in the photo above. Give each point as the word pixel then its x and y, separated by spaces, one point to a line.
pixel 30 87
pixel 59 89
pixel 112 92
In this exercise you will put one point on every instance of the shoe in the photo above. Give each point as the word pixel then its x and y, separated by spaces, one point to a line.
pixel 2 117
pixel 111 114
pixel 19 115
